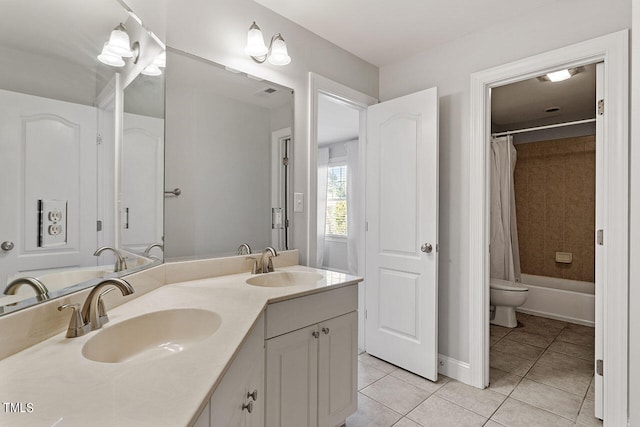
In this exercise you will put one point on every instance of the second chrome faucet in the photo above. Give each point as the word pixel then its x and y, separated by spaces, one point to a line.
pixel 93 315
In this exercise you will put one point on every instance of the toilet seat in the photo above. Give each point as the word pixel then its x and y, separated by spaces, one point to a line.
pixel 507 285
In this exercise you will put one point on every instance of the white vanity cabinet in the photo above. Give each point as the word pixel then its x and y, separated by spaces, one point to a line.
pixel 239 398
pixel 311 359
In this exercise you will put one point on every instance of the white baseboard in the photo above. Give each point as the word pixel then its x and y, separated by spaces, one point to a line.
pixel 452 368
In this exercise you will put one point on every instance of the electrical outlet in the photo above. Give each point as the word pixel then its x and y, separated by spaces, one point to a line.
pixel 52 223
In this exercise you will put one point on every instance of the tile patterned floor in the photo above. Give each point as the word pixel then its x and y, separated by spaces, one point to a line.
pixel 541 375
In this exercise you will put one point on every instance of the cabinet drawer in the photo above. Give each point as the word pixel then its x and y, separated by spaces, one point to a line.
pixel 296 313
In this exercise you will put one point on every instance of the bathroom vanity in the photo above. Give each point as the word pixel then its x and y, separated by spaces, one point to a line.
pixel 268 354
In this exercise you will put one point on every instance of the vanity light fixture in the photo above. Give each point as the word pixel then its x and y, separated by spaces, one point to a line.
pixel 119 47
pixel 153 69
pixel 276 53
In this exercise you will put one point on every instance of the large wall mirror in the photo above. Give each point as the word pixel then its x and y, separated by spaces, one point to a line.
pixel 61 141
pixel 227 169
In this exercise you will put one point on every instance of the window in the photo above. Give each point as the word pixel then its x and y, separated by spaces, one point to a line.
pixel 336 213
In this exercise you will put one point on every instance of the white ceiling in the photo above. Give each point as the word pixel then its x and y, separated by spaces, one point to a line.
pixel 523 104
pixel 337 122
pixel 385 31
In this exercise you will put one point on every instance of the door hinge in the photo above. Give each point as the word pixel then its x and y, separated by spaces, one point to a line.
pixel 599 367
pixel 99 225
pixel 366 226
pixel 98 139
pixel 365 315
pixel 285 161
pixel 600 237
pixel 600 107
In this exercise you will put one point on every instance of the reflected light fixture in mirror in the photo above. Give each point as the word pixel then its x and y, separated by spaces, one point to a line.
pixel 153 69
pixel 276 53
pixel 118 47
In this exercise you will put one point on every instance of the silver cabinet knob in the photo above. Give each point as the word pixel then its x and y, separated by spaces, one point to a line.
pixel 315 334
pixel 325 331
pixel 7 246
pixel 426 248
pixel 253 395
pixel 248 406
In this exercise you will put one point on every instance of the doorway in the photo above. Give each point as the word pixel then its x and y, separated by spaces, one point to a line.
pixel 542 251
pixel 613 51
pixel 333 103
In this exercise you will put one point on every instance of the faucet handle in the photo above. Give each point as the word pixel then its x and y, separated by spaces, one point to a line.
pixel 102 312
pixel 254 268
pixel 77 326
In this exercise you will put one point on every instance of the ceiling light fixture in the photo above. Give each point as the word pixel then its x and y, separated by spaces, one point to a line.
pixel 561 75
pixel 276 53
pixel 119 47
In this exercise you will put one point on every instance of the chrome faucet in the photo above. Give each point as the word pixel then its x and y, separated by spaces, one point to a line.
pixel 120 264
pixel 42 293
pixel 266 263
pixel 154 245
pixel 93 315
pixel 244 249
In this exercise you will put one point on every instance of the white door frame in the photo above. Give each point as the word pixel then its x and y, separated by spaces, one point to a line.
pixel 613 50
pixel 360 101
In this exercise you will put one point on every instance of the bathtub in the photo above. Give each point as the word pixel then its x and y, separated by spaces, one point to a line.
pixel 562 299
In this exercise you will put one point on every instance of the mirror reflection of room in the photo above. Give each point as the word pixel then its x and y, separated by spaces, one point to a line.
pixel 58 152
pixel 228 135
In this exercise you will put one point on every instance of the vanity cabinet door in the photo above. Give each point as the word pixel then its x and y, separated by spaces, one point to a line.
pixel 337 369
pixel 232 403
pixel 292 379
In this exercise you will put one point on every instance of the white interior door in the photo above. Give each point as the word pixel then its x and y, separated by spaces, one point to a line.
pixel 142 183
pixel 47 153
pixel 600 273
pixel 402 232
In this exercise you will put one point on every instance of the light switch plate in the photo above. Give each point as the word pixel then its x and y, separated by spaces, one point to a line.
pixel 298 202
pixel 52 223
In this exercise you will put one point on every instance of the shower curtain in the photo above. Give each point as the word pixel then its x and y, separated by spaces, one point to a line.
pixel 504 252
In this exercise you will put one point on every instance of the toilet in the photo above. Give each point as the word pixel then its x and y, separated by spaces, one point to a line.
pixel 505 296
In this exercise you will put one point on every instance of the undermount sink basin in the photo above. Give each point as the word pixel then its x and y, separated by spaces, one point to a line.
pixel 152 335
pixel 284 278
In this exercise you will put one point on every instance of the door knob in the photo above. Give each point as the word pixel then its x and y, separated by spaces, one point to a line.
pixel 426 248
pixel 6 246
pixel 325 331
pixel 315 334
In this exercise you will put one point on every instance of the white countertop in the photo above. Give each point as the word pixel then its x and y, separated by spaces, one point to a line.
pixel 66 389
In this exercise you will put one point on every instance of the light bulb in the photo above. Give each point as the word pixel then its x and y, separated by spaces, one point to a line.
pixel 279 54
pixel 109 58
pixel 559 76
pixel 255 42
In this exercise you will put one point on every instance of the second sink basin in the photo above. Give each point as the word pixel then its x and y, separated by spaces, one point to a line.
pixel 151 335
pixel 284 278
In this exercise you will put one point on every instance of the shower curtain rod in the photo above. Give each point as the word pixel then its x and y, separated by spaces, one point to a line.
pixel 557 125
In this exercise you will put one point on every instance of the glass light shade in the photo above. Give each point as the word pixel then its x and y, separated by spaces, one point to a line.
pixel 119 43
pixel 109 58
pixel 279 54
pixel 151 70
pixel 160 60
pixel 559 76
pixel 255 42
